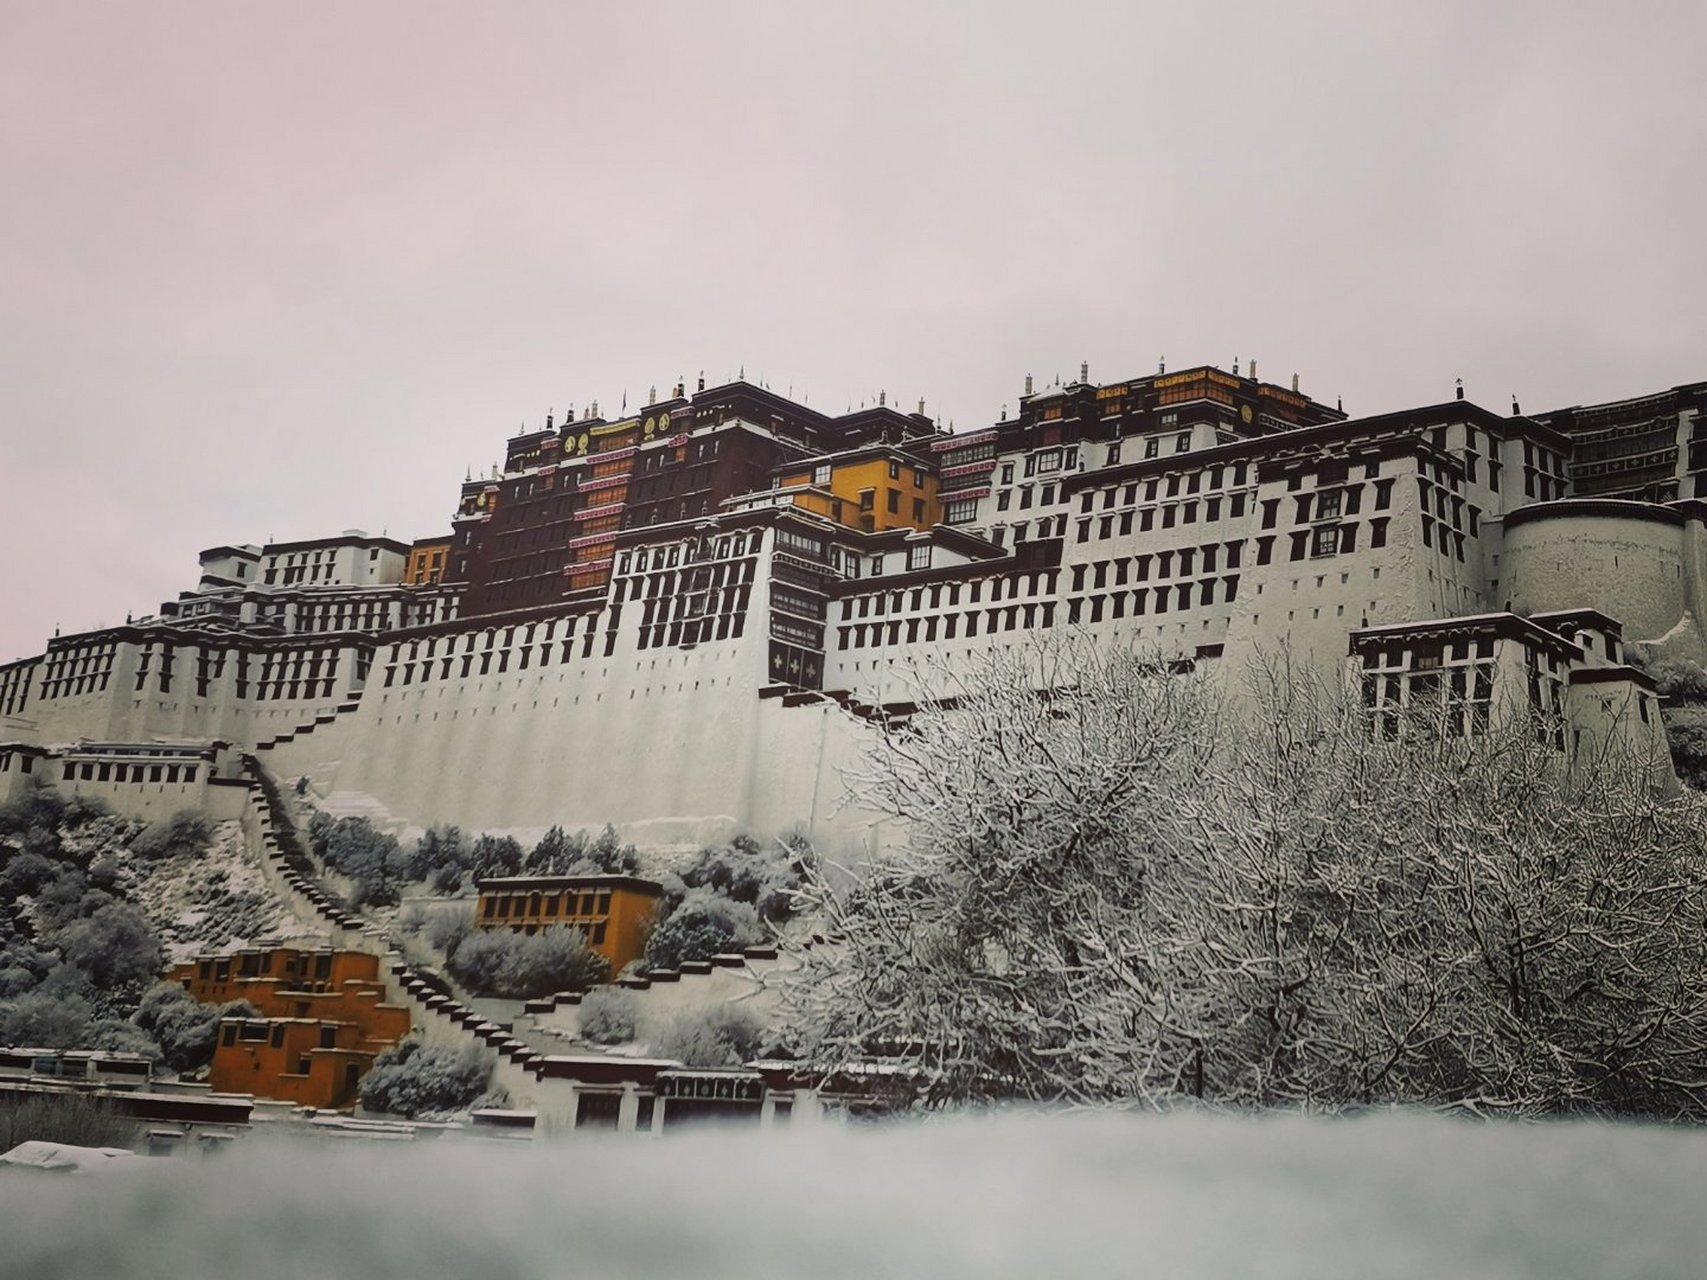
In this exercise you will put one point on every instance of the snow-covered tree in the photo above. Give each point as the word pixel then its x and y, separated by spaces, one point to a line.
pixel 1126 888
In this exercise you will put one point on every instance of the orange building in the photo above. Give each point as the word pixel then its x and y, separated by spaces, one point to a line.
pixel 324 1020
pixel 614 912
pixel 286 982
pixel 873 488
pixel 300 1060
pixel 427 560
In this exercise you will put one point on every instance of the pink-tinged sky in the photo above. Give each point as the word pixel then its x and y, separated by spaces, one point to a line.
pixel 274 271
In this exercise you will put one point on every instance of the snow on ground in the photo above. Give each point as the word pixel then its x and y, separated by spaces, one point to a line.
pixel 219 900
pixel 1185 1196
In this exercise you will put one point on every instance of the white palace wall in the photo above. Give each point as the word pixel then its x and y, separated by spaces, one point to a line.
pixel 108 687
pixel 671 744
pixel 1640 564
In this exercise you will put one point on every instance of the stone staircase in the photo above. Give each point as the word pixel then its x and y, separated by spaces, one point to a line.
pixel 303 730
pixel 442 1018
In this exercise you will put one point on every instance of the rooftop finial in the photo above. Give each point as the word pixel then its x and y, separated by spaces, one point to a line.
pixel 1084 372
pixel 1162 365
pixel 1294 384
pixel 1235 366
pixel 882 399
pixel 1028 384
pixel 1253 373
pixel 1515 411
pixel 651 395
pixel 702 379
pixel 921 406
pixel 548 419
pixel 1460 390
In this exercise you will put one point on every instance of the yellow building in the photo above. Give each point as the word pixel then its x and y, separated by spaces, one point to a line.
pixel 427 560
pixel 871 489
pixel 614 912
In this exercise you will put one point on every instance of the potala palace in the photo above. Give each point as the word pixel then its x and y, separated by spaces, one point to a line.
pixel 683 621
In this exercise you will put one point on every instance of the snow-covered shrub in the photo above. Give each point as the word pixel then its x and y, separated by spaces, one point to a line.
pixel 439 858
pixel 1679 679
pixel 724 1035
pixel 702 926
pixel 24 874
pixel 445 929
pixel 41 1019
pixel 114 945
pixel 185 1030
pixel 372 858
pixel 745 871
pixel 412 1080
pixel 609 1015
pixel 495 856
pixel 186 832
pixel 518 966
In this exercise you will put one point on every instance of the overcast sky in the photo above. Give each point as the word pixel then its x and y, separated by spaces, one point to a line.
pixel 277 271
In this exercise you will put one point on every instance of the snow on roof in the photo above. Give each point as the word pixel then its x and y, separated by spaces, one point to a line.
pixel 60 1157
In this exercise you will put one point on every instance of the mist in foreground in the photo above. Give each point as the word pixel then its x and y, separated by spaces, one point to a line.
pixel 1016 1195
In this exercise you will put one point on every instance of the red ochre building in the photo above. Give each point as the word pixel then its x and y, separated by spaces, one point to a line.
pixel 323 1021
pixel 614 912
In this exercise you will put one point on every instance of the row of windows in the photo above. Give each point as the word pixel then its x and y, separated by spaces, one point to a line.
pixel 487 639
pixel 1174 514
pixel 299 674
pixel 951 626
pixel 1045 462
pixel 106 771
pixel 934 596
pixel 709 547
pixel 1044 496
pixel 65 673
pixel 372 615
pixel 1457 700
pixel 491 662
pixel 965 456
pixel 1153 600
pixel 311 573
pixel 1179 484
pixel 570 904
pixel 694 617
pixel 1448 508
pixel 700 578
pixel 1438 537
pixel 68 688
pixel 1184 562
pixel 848 562
pixel 892 504
pixel 15 686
